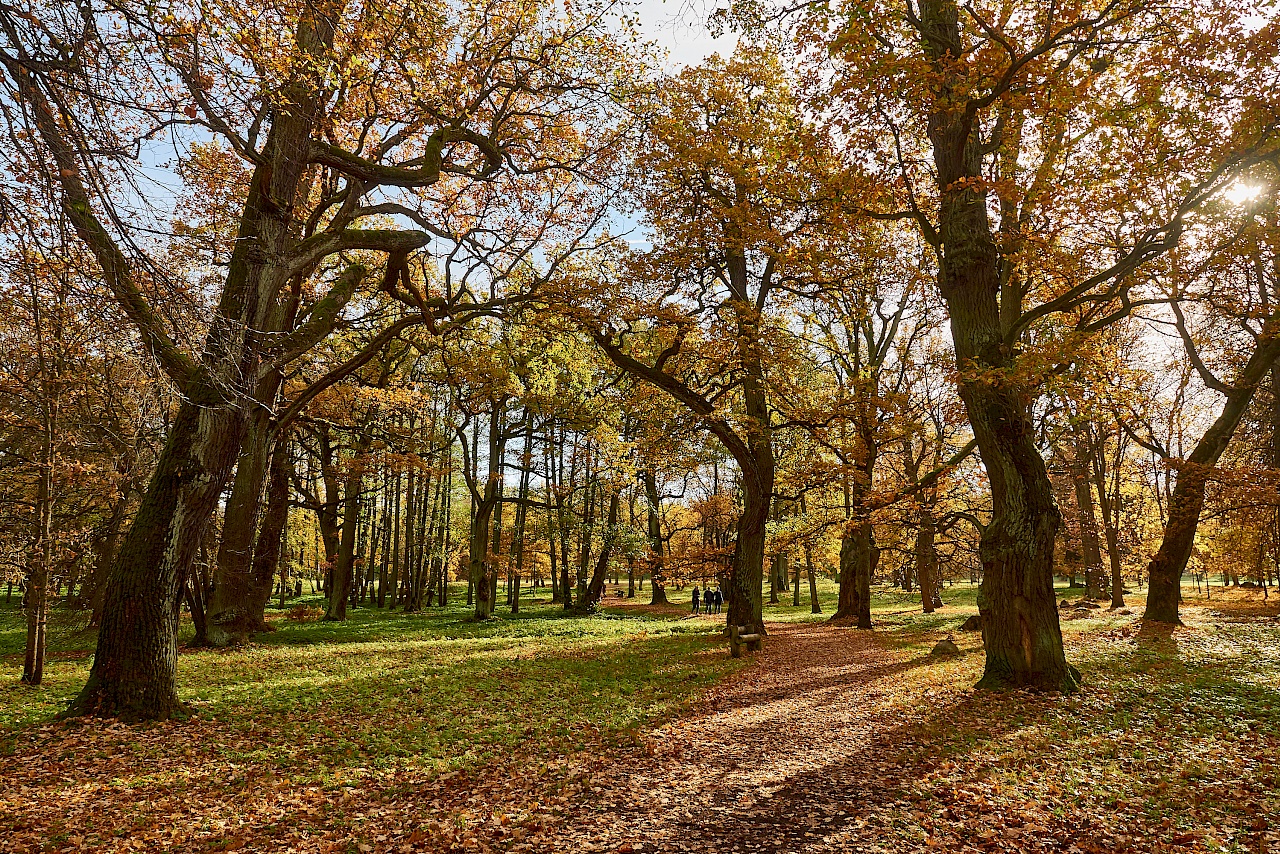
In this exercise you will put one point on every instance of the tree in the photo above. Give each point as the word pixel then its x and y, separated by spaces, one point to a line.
pixel 1234 282
pixel 291 91
pixel 730 178
pixel 970 114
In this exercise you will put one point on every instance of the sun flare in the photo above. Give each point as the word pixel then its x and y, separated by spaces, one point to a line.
pixel 1240 193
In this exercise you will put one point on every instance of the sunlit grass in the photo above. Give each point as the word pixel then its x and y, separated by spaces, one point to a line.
pixel 433 687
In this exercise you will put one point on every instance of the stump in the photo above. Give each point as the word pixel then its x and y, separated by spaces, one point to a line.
pixel 946 646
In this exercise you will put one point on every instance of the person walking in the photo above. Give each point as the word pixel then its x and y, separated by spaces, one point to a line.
pixel 695 598
pixel 706 601
pixel 719 600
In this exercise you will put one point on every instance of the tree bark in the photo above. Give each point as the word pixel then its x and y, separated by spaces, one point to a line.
pixel 104 552
pixel 927 559
pixel 657 576
pixel 271 533
pixel 37 592
pixel 595 589
pixel 1020 626
pixel 1090 548
pixel 485 497
pixel 230 608
pixel 340 589
pixel 815 607
pixel 1164 590
pixel 134 667
pixel 1110 523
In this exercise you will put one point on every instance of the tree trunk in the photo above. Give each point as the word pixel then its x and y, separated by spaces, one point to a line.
pixel 1164 591
pixel 522 511
pixel 775 570
pixel 485 498
pixel 393 570
pixel 1110 523
pixel 37 594
pixel 1020 626
pixel 1089 546
pixel 327 514
pixel 340 589
pixel 745 588
pixel 231 617
pixel 595 589
pixel 815 607
pixel 657 578
pixel 927 559
pixel 104 552
pixel 134 666
pixel 271 535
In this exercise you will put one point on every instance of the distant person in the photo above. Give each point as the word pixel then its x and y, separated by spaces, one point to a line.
pixel 707 599
pixel 719 599
pixel 695 598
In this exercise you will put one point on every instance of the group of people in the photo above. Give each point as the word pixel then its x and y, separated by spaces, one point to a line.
pixel 711 599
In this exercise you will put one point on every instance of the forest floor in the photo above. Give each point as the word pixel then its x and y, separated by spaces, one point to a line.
pixel 632 731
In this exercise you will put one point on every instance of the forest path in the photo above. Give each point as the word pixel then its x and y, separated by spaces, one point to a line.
pixel 789 755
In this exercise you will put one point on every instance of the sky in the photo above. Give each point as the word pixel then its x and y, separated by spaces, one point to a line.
pixel 679 26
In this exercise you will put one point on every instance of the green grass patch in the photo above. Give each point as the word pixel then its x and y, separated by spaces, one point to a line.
pixel 431 688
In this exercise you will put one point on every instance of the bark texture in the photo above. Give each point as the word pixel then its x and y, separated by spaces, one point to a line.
pixel 1019 614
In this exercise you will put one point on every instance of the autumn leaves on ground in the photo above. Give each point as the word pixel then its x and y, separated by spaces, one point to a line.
pixel 634 731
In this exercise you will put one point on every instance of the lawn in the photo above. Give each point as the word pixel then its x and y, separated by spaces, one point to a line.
pixel 431 686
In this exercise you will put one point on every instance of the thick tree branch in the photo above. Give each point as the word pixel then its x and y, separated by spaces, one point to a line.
pixel 116 269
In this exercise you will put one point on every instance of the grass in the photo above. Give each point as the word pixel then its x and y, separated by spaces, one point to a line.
pixel 385 687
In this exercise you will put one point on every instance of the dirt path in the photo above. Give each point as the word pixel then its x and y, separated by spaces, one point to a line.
pixel 777 759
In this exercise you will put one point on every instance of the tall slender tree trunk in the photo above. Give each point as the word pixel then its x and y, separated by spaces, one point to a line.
pixel 327 513
pixel 815 607
pixel 927 559
pixel 37 598
pixel 595 589
pixel 340 590
pixel 1110 523
pixel 775 570
pixel 657 574
pixel 271 536
pixel 446 541
pixel 522 511
pixel 585 533
pixel 1090 548
pixel 485 498
pixel 395 562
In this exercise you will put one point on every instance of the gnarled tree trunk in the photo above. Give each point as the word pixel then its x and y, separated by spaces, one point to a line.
pixel 1019 613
